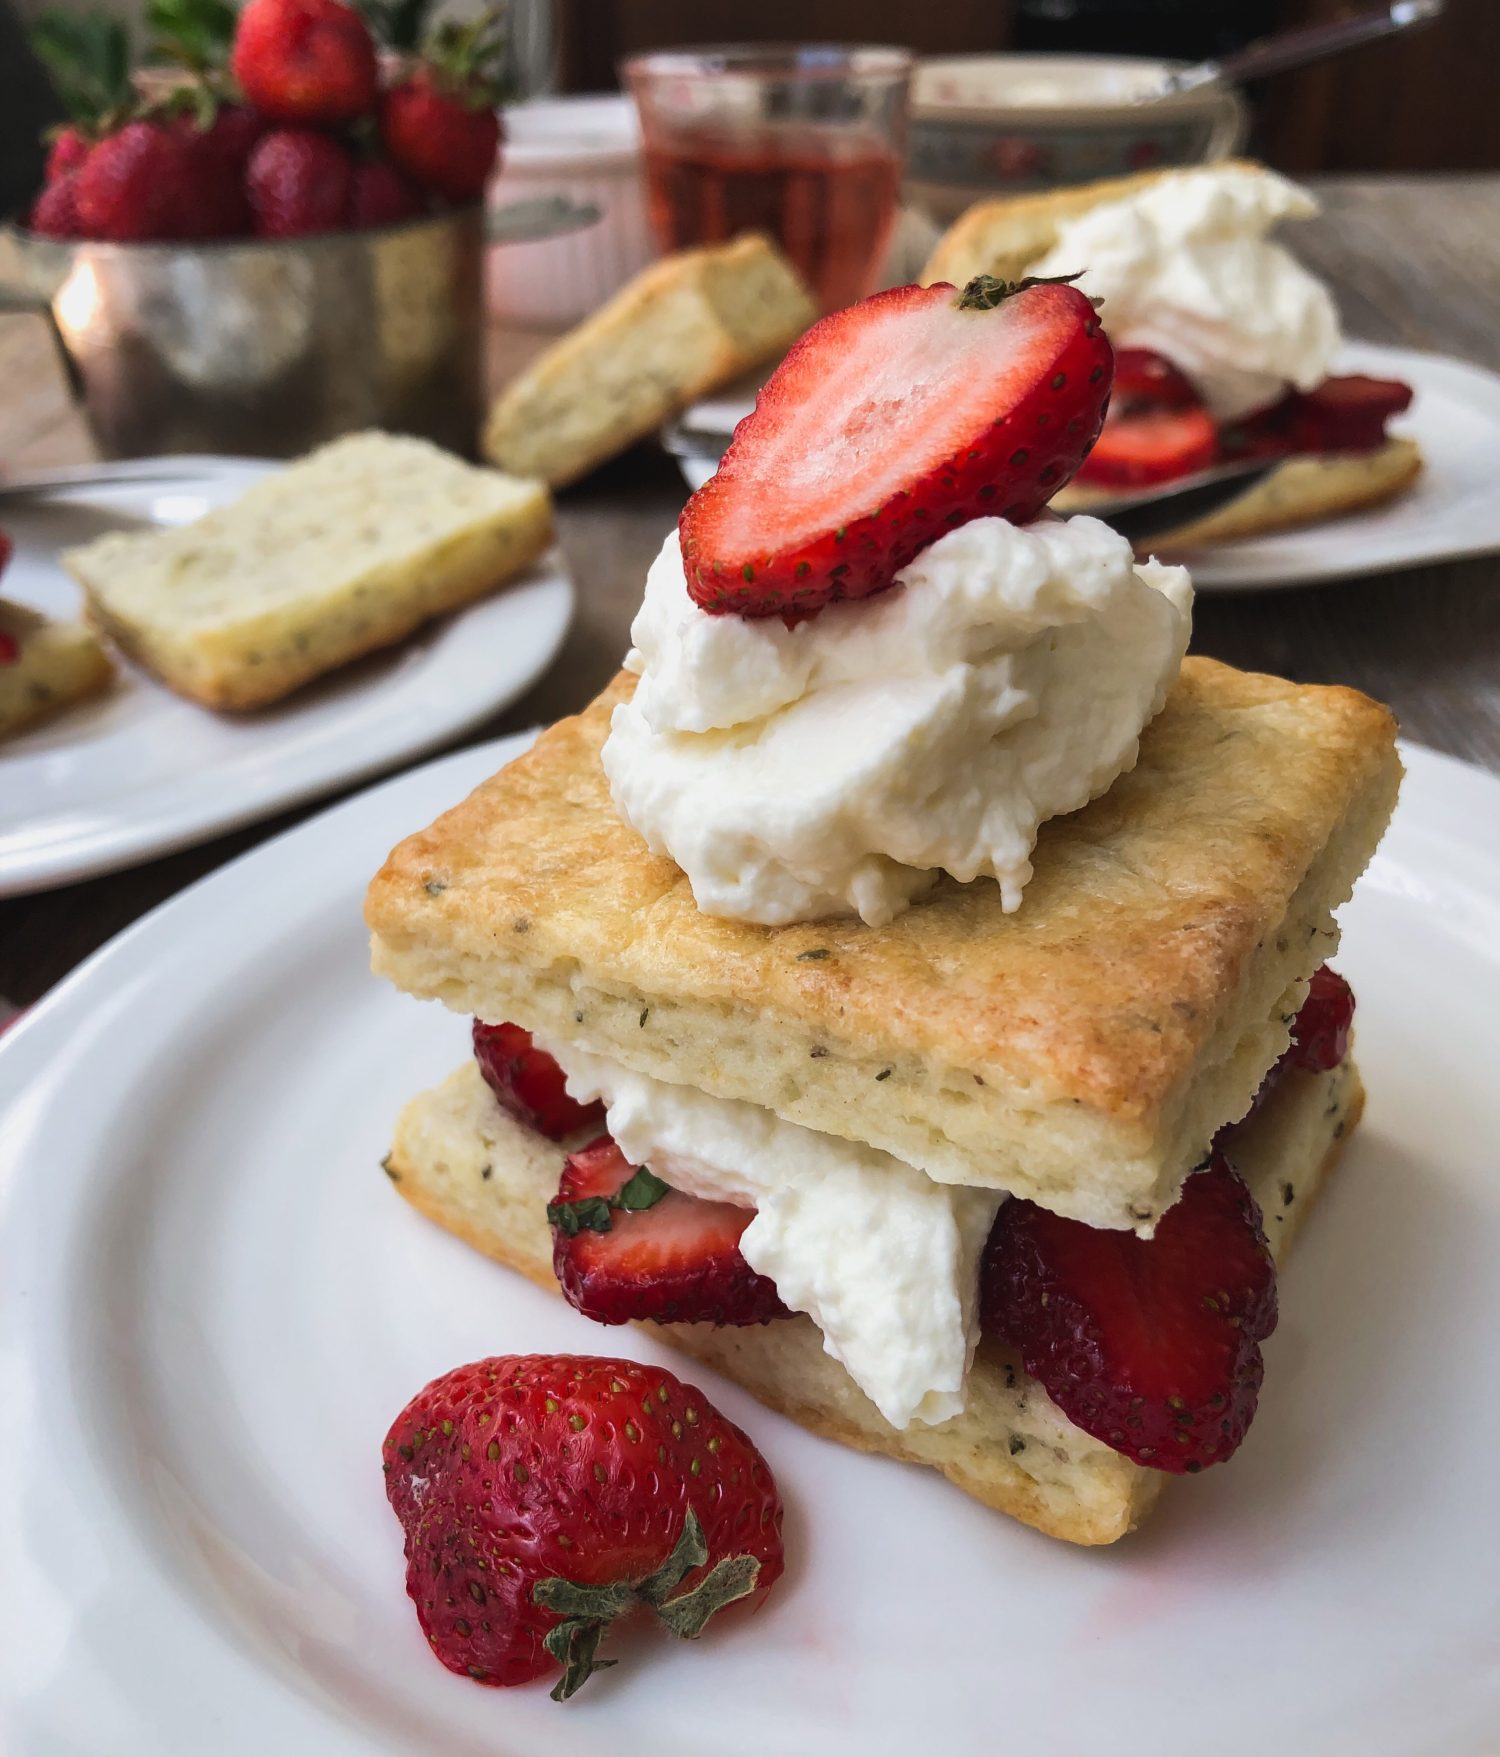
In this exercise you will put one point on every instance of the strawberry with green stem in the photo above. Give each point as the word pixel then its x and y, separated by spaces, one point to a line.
pixel 543 1497
pixel 439 123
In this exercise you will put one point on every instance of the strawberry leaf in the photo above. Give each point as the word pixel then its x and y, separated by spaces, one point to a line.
pixel 592 1213
pixel 88 56
pixel 195 34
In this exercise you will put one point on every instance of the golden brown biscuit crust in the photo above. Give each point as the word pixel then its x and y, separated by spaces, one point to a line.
pixel 1147 911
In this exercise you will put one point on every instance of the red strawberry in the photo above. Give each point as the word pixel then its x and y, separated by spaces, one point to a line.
pixel 231 134
pixel 6 550
pixel 529 1083
pixel 626 1246
pixel 1150 1345
pixel 381 196
pixel 1320 1035
pixel 305 60
pixel 1146 380
pixel 298 181
pixel 887 425
pixel 1346 414
pixel 10 648
pixel 444 134
pixel 70 147
pixel 210 199
pixel 127 190
pixel 542 1496
pixel 55 212
pixel 1153 447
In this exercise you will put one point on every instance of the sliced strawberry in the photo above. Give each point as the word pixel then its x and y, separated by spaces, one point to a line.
pixel 528 1082
pixel 1150 1345
pixel 1320 1035
pixel 1145 380
pixel 626 1246
pixel 887 425
pixel 1346 414
pixel 1154 447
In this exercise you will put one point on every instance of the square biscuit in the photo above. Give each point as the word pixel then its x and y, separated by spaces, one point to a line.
pixel 345 551
pixel 1081 1051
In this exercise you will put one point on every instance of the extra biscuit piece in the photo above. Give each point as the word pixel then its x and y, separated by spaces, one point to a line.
pixel 345 551
pixel 1081 1051
pixel 684 326
pixel 56 664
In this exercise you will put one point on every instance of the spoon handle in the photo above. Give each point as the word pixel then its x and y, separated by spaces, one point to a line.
pixel 1294 48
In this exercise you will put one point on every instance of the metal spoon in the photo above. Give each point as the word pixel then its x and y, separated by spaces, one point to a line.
pixel 1294 48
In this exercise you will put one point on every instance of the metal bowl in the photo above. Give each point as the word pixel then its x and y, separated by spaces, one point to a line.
pixel 1002 124
pixel 265 347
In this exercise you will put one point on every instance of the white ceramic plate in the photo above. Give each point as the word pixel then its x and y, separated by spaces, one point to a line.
pixel 140 772
pixel 1451 512
pixel 213 1305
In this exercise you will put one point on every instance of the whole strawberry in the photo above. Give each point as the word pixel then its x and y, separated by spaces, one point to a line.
pixel 128 188
pixel 444 135
pixel 70 147
pixel 887 425
pixel 381 196
pixel 298 182
pixel 1150 1345
pixel 55 211
pixel 305 60
pixel 230 135
pixel 542 1496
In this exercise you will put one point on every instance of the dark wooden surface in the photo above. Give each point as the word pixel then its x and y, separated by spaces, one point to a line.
pixel 1412 261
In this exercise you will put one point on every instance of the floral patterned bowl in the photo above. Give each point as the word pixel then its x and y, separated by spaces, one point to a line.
pixel 1002 124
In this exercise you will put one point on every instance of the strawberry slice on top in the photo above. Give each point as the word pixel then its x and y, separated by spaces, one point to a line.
pixel 888 424
pixel 627 1246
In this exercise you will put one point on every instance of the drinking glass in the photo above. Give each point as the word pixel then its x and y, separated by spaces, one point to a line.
pixel 803 141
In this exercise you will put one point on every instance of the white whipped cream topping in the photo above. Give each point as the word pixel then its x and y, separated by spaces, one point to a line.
pixel 836 767
pixel 884 1261
pixel 1185 267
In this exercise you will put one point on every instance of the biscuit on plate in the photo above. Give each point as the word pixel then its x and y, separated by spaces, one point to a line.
pixel 1080 1052
pixel 45 666
pixel 347 550
pixel 683 327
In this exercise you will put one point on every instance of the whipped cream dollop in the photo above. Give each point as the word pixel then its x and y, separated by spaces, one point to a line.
pixel 1185 267
pixel 884 1261
pixel 838 766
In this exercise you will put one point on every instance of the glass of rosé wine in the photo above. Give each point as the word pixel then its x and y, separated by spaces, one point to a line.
pixel 803 141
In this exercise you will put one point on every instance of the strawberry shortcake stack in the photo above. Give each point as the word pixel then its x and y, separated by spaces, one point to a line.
pixel 906 986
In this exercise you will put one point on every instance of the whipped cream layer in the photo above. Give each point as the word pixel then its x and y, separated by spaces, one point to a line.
pixel 1185 267
pixel 838 766
pixel 884 1261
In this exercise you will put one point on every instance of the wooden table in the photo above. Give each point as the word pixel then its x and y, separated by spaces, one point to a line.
pixel 1414 261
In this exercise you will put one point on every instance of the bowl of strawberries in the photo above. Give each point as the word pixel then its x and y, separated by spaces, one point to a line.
pixel 271 233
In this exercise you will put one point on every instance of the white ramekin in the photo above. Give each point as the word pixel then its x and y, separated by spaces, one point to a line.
pixel 588 149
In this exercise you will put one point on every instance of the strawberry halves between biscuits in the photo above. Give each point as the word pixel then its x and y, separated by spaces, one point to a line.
pixel 889 424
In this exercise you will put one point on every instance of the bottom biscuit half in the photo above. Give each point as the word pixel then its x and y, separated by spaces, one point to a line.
pixel 465 1163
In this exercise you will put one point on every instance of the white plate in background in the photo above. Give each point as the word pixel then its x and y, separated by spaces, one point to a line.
pixel 1452 511
pixel 213 1306
pixel 140 772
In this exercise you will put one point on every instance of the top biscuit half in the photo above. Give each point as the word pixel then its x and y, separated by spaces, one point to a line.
pixel 1081 1051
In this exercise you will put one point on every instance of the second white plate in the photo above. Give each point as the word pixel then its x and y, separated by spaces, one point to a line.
pixel 140 772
